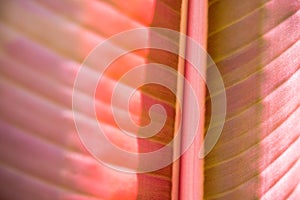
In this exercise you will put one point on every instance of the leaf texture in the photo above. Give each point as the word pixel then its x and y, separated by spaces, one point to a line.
pixel 255 45
pixel 43 44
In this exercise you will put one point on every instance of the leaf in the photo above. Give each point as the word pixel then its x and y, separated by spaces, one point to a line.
pixel 41 154
pixel 43 44
pixel 255 45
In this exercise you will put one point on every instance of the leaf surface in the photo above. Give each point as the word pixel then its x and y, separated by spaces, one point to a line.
pixel 255 45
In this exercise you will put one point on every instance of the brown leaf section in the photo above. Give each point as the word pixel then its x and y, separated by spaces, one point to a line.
pixel 162 184
pixel 255 45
